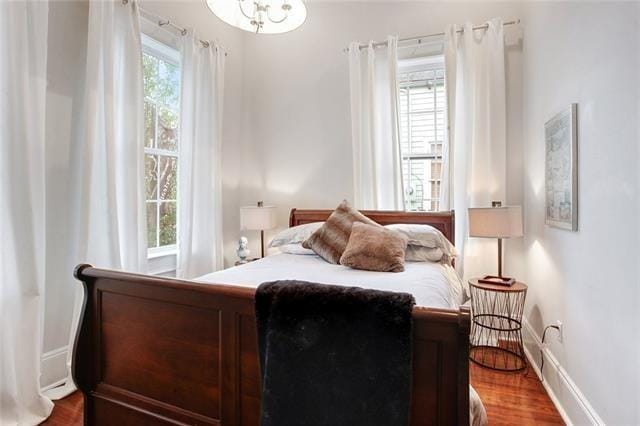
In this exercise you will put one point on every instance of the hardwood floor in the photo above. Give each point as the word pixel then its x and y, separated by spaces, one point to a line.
pixel 67 411
pixel 513 398
pixel 510 398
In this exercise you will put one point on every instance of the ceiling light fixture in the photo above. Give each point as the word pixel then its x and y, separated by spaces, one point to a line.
pixel 260 16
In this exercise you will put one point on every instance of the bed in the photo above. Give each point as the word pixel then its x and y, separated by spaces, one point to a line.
pixel 153 350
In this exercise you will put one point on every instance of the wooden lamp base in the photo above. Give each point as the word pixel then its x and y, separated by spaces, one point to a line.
pixel 492 279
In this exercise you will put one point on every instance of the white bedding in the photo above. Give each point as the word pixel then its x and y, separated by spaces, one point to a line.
pixel 432 284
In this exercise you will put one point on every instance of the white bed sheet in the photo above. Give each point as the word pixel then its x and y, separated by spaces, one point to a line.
pixel 433 285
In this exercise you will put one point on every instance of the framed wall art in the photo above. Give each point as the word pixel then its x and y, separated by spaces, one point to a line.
pixel 561 169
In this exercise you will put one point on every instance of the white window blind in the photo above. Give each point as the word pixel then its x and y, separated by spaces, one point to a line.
pixel 422 131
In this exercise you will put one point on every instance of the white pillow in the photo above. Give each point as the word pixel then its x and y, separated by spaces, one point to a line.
pixel 295 235
pixel 423 254
pixel 425 236
pixel 295 249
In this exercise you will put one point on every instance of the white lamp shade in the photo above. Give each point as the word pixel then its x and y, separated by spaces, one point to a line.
pixel 495 222
pixel 254 218
pixel 229 11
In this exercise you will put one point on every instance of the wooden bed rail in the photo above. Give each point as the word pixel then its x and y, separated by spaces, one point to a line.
pixel 154 350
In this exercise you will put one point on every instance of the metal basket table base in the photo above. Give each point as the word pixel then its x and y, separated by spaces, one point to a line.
pixel 496 328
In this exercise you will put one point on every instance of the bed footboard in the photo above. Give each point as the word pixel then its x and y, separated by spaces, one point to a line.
pixel 152 350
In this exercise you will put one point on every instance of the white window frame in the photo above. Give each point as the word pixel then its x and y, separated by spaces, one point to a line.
pixel 169 54
pixel 419 64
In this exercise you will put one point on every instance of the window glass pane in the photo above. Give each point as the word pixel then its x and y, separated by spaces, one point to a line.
pixel 151 176
pixel 435 195
pixel 416 184
pixel 150 75
pixel 408 191
pixel 421 100
pixel 422 132
pixel 403 99
pixel 161 119
pixel 422 183
pixel 167 223
pixel 152 228
pixel 168 180
pixel 436 149
pixel 167 129
pixel 169 78
pixel 149 125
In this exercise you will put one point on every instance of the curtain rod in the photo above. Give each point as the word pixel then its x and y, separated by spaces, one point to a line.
pixel 162 22
pixel 418 39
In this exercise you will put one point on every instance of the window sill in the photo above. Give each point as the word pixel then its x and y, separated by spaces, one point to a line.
pixel 162 261
pixel 156 252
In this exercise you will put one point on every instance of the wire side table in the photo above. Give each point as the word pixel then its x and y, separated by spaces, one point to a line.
pixel 496 325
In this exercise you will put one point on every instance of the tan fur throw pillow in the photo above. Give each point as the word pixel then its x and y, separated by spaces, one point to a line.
pixel 374 248
pixel 331 239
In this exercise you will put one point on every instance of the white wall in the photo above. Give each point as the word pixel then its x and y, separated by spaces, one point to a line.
pixel 586 53
pixel 297 127
pixel 65 74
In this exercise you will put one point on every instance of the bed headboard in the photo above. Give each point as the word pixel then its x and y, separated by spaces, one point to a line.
pixel 444 221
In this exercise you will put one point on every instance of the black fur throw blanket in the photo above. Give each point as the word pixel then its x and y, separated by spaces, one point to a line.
pixel 332 355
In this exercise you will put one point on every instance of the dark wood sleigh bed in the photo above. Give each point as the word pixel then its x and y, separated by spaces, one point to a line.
pixel 153 350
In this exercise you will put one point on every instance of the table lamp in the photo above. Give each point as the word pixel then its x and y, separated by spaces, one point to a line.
pixel 258 218
pixel 496 222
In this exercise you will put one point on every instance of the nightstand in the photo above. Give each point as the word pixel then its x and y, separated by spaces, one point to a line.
pixel 496 325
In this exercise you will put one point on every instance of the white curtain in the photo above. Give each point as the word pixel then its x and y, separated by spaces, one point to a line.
pixel 476 173
pixel 109 162
pixel 200 162
pixel 23 79
pixel 377 167
pixel 107 184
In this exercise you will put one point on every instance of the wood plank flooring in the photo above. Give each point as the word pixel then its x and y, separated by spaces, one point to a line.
pixel 67 411
pixel 513 398
pixel 510 398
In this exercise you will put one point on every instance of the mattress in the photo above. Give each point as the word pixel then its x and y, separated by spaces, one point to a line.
pixel 433 285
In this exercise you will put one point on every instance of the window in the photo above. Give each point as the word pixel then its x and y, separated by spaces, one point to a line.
pixel 161 70
pixel 423 111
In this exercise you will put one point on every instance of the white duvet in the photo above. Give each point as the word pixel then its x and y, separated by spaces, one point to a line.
pixel 433 285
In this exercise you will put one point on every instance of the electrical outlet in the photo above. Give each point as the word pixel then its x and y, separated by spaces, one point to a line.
pixel 560 330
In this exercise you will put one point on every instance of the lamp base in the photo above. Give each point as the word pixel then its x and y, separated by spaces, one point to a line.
pixel 492 279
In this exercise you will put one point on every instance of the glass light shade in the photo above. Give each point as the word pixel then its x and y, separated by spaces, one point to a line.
pixel 229 11
pixel 495 222
pixel 254 218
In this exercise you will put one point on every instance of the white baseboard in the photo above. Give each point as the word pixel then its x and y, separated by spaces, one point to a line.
pixel 54 368
pixel 571 403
